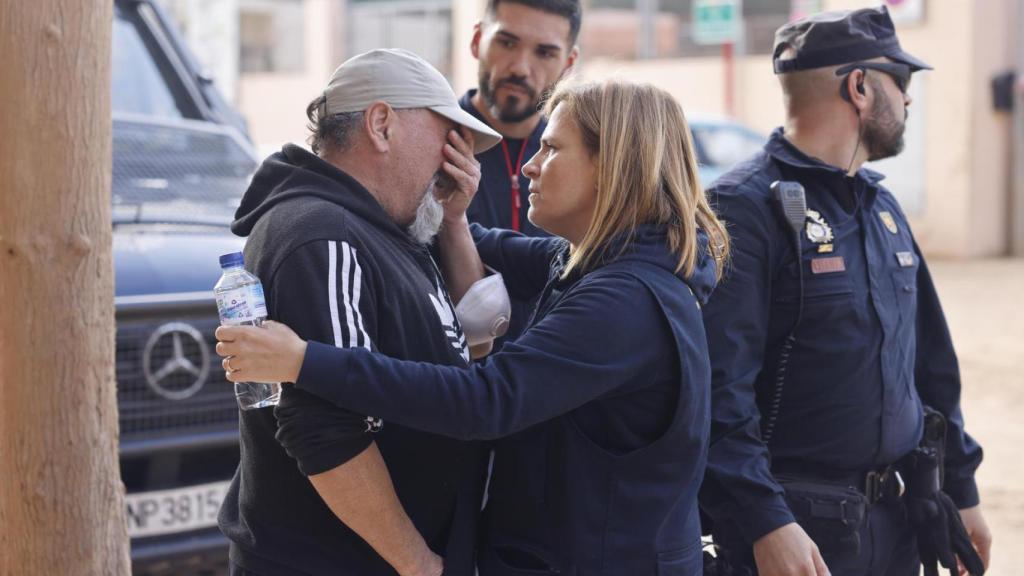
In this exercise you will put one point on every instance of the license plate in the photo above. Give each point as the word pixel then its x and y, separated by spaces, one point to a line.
pixel 178 510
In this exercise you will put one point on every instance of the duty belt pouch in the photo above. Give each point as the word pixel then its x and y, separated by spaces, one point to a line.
pixel 832 514
pixel 934 437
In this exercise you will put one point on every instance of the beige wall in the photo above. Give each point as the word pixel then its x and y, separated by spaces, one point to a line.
pixel 942 227
pixel 967 163
pixel 699 84
pixel 989 190
pixel 465 13
pixel 275 103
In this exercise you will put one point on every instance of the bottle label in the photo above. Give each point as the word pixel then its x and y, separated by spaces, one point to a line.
pixel 243 305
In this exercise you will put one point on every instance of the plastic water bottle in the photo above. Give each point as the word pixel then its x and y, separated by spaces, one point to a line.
pixel 240 303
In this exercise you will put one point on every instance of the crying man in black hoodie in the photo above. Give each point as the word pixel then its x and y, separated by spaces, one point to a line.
pixel 339 237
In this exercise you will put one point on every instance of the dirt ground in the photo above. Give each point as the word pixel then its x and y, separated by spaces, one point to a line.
pixel 983 303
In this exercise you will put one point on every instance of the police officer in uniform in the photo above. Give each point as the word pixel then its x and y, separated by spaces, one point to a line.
pixel 832 362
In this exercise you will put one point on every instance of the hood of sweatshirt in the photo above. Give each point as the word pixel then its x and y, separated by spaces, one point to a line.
pixel 649 243
pixel 294 171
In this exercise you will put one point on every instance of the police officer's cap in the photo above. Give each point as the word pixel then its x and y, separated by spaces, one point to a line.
pixel 834 38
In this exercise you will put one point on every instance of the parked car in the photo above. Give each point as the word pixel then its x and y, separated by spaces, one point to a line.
pixel 721 143
pixel 181 161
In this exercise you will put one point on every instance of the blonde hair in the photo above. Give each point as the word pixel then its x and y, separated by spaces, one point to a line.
pixel 646 170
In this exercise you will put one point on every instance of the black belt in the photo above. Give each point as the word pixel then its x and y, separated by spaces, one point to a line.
pixel 876 483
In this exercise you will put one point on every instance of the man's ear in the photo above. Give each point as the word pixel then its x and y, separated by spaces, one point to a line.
pixel 474 44
pixel 378 123
pixel 857 88
pixel 574 54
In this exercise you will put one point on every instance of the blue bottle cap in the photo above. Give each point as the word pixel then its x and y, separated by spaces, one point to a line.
pixel 231 260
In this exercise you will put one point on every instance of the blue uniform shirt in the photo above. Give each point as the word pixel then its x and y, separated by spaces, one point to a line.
pixel 871 347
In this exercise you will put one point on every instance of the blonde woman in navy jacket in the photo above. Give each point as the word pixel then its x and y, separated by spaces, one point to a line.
pixel 601 407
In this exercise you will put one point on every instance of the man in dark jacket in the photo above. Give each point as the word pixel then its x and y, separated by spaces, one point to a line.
pixel 524 47
pixel 827 340
pixel 338 238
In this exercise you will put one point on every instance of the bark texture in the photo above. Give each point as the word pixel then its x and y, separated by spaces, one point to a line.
pixel 61 497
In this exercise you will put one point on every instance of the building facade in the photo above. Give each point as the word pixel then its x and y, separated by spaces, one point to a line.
pixel 955 178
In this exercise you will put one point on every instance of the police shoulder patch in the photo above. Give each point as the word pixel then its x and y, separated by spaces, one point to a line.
pixel 889 221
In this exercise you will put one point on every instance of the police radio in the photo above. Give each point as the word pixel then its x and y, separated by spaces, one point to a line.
pixel 792 204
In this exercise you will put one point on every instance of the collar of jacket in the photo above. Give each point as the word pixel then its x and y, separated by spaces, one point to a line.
pixel 784 152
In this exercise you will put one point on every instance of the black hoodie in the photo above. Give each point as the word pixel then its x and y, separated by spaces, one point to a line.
pixel 337 269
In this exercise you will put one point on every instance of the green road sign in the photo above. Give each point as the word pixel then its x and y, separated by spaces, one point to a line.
pixel 717 21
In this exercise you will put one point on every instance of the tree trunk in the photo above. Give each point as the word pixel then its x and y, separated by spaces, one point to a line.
pixel 61 498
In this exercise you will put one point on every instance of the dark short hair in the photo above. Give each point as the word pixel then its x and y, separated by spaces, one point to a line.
pixel 330 133
pixel 568 9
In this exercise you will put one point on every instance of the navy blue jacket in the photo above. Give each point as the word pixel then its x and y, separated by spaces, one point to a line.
pixel 604 401
pixel 872 345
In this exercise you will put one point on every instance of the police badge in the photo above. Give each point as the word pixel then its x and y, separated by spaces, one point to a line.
pixel 818 231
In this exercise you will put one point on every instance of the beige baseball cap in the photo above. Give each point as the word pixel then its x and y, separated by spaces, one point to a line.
pixel 403 80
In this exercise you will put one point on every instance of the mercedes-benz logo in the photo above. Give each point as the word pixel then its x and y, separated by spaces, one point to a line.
pixel 176 361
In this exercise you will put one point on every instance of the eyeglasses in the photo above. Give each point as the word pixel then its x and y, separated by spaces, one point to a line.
pixel 900 73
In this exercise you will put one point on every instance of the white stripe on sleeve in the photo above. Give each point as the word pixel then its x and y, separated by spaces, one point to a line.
pixel 332 290
pixel 357 284
pixel 346 293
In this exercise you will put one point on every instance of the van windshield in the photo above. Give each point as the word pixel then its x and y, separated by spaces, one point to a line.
pixel 170 165
pixel 137 84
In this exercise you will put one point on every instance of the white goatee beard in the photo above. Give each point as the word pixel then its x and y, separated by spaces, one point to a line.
pixel 429 216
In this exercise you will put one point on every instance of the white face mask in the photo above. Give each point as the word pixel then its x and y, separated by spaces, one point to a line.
pixel 485 310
